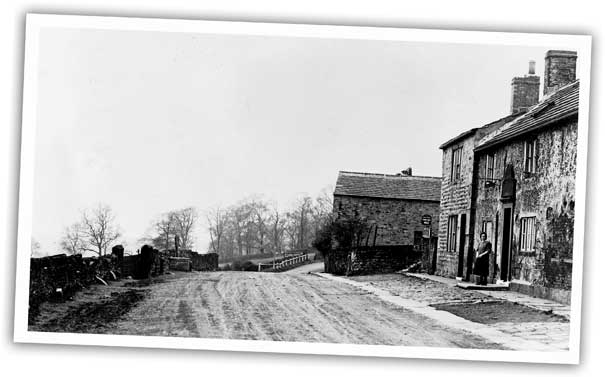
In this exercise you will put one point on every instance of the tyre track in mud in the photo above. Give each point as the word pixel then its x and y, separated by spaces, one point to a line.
pixel 274 306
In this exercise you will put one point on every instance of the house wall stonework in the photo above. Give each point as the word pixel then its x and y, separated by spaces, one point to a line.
pixel 548 195
pixel 455 200
pixel 396 219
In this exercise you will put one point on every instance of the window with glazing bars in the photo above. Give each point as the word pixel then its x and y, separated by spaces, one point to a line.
pixel 528 234
pixel 489 167
pixel 452 229
pixel 530 156
pixel 456 161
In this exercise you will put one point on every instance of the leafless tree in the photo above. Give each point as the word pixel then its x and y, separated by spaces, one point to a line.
pixel 256 226
pixel 240 219
pixel 299 217
pixel 184 221
pixel 259 213
pixel 73 241
pixel 277 223
pixel 217 224
pixel 170 225
pixel 163 231
pixel 98 229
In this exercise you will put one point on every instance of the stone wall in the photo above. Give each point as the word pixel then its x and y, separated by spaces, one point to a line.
pixel 455 200
pixel 204 262
pixel 548 195
pixel 179 264
pixel 370 260
pixel 59 276
pixel 396 220
pixel 336 262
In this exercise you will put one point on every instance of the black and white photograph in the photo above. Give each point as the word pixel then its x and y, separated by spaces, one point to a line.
pixel 291 188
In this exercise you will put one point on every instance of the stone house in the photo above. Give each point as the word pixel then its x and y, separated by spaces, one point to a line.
pixel 523 187
pixel 393 206
pixel 455 215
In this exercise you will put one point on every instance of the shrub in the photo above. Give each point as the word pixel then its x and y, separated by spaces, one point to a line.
pixel 345 233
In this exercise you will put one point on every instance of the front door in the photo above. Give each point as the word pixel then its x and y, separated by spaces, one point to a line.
pixel 507 225
pixel 462 246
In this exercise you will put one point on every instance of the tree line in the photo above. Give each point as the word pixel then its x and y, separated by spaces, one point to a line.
pixel 256 226
pixel 251 226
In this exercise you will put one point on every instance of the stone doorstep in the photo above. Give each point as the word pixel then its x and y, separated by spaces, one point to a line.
pixel 487 287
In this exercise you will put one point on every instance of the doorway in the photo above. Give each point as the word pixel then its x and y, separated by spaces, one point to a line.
pixel 462 245
pixel 507 225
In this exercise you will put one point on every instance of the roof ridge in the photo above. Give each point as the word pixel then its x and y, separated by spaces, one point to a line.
pixel 378 175
pixel 548 104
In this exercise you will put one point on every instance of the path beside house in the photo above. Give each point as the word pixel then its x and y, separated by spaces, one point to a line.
pixel 514 320
pixel 512 296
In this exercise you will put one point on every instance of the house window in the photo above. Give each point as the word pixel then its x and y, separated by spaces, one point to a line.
pixel 530 156
pixel 528 234
pixel 456 160
pixel 452 231
pixel 487 228
pixel 489 167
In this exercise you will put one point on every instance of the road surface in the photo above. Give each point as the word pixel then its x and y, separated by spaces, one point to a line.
pixel 296 306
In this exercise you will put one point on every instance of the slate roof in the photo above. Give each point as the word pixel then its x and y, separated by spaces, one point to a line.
pixel 455 139
pixel 559 105
pixel 473 131
pixel 388 186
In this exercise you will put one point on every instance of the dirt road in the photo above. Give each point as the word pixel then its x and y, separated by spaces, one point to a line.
pixel 288 307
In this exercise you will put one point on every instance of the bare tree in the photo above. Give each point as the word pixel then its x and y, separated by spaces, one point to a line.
pixel 164 231
pixel 98 229
pixel 299 217
pixel 184 221
pixel 259 212
pixel 240 217
pixel 277 223
pixel 217 223
pixel 73 241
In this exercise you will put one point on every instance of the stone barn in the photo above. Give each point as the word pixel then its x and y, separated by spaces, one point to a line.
pixel 401 210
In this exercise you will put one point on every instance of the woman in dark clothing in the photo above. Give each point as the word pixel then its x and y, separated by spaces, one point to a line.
pixel 482 260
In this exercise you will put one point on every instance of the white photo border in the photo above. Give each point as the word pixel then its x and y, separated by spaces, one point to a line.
pixel 35 23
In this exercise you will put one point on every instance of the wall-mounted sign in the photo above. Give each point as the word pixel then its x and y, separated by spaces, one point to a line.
pixel 426 219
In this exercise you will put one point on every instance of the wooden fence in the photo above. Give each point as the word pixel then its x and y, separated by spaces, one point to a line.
pixel 288 262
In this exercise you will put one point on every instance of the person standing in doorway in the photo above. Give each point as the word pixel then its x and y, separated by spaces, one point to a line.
pixel 481 267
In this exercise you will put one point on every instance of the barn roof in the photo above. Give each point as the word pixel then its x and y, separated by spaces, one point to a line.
pixel 387 186
pixel 559 105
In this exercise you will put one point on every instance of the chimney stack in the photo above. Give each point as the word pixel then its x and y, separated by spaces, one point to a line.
pixel 559 69
pixel 407 172
pixel 525 91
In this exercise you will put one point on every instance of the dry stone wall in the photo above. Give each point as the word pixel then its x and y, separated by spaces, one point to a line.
pixel 370 260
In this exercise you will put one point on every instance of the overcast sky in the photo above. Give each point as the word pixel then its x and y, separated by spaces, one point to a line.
pixel 148 122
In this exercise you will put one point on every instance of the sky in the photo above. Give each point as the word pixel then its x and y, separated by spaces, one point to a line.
pixel 148 122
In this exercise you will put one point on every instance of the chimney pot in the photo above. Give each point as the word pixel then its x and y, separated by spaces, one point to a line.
pixel 532 67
